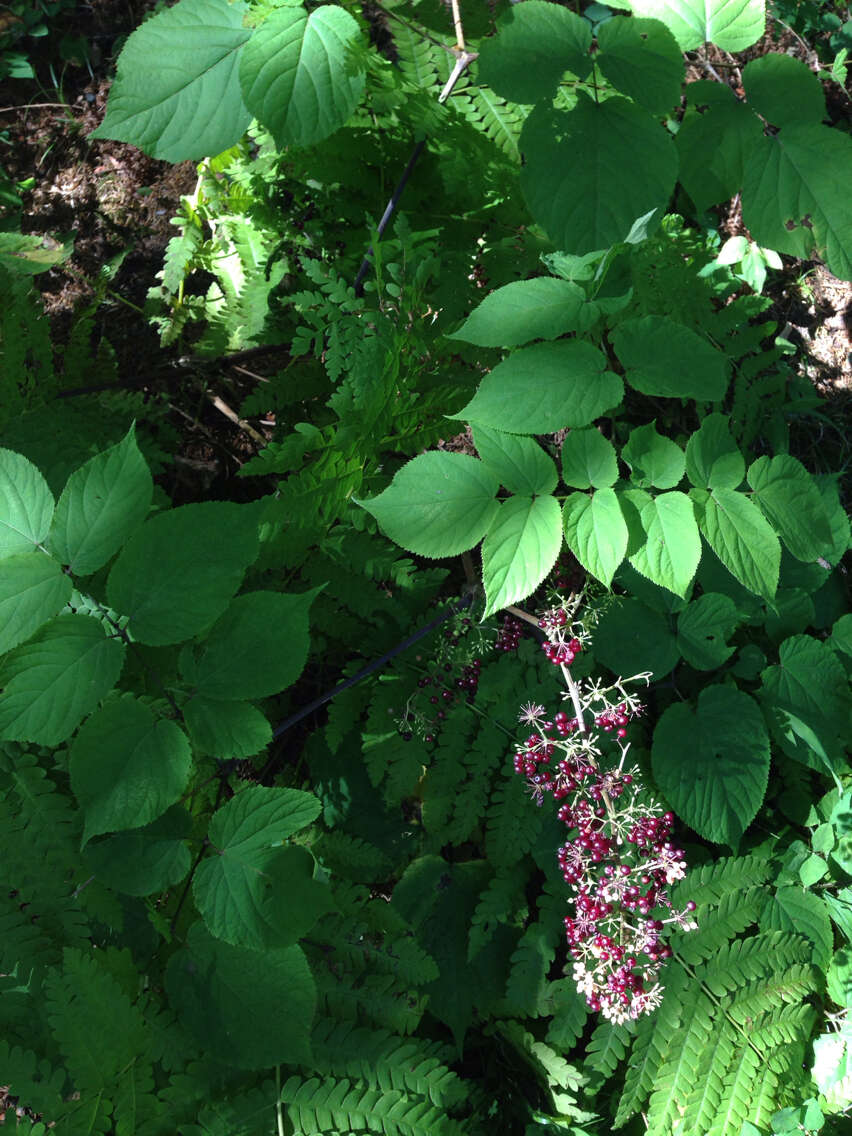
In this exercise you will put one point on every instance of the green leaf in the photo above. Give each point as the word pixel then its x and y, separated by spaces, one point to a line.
pixel 664 358
pixel 712 762
pixel 742 539
pixel 146 860
pixel 631 638
pixel 714 138
pixel 810 683
pixel 298 73
pixel 102 504
pixel 33 588
pixel 26 505
pixel 795 197
pixel 672 549
pixel 177 573
pixel 520 463
pixel 654 460
pixel 641 59
pixel 51 683
pixel 519 550
pixel 189 105
pixel 543 388
pixel 732 25
pixel 256 649
pixel 127 766
pixel 536 44
pixel 517 313
pixel 588 460
pixel 713 460
pixel 703 628
pixel 792 909
pixel 253 892
pixel 438 504
pixel 628 171
pixel 783 90
pixel 788 497
pixel 226 729
pixel 596 532
pixel 252 1009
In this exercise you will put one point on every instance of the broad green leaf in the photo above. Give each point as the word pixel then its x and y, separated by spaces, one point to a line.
pixel 26 505
pixel 256 649
pixel 732 25
pixel 536 44
pixel 631 638
pixel 841 635
pixel 102 504
pixel 713 460
pixel 714 138
pixel 832 1068
pixel 298 74
pixel 33 588
pixel 146 860
pixel 226 729
pixel 628 171
pixel 838 517
pixel 783 90
pixel 741 537
pixel 792 909
pixel 641 59
pixel 176 94
pixel 795 194
pixel 127 766
pixel 51 683
pixel 672 547
pixel 438 504
pixel 520 463
pixel 254 892
pixel 596 532
pixel 517 313
pixel 177 574
pixel 703 628
pixel 520 549
pixel 664 358
pixel 252 1009
pixel 588 460
pixel 810 683
pixel 712 762
pixel 655 461
pixel 788 497
pixel 544 388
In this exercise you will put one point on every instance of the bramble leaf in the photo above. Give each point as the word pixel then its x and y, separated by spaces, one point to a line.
pixel 297 74
pixel 712 762
pixel 189 105
pixel 252 1009
pixel 51 683
pixel 438 504
pixel 544 388
pixel 519 549
pixel 102 504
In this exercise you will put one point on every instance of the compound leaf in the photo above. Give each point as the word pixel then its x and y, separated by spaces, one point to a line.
pixel 520 549
pixel 596 532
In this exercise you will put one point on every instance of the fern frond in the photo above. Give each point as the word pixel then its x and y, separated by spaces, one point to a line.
pixel 677 1077
pixel 416 57
pixel 608 1045
pixel 513 827
pixel 383 1060
pixel 497 119
pixel 742 960
pixel 329 1105
pixel 350 856
pixel 709 883
pixel 717 924
pixel 789 985
pixel 738 1092
pixel 702 1104
pixel 36 1085
pixel 529 965
pixel 653 1045
pixel 502 902
pixel 568 1014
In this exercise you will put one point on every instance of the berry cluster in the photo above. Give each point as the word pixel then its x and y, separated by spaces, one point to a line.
pixel 509 635
pixel 618 859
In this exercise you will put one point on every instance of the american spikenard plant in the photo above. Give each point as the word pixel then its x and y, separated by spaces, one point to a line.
pixel 620 861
